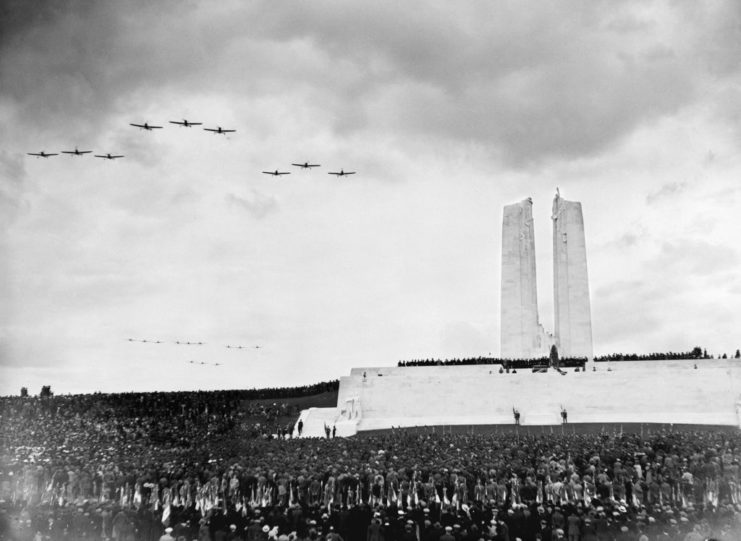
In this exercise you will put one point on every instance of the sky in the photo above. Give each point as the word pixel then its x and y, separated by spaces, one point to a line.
pixel 446 111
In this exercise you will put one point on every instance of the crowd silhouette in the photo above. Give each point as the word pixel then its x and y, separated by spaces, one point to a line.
pixel 564 362
pixel 127 466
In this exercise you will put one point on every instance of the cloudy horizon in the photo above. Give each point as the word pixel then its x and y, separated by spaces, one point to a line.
pixel 446 113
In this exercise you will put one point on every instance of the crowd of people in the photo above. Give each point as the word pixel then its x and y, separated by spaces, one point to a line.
pixel 696 353
pixel 128 467
pixel 517 364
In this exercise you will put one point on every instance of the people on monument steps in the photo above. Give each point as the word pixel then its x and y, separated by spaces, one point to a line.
pixel 566 362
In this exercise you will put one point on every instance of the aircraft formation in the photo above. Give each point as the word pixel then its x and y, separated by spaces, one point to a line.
pixel 189 343
pixel 218 130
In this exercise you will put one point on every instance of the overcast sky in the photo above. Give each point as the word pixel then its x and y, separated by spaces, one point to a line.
pixel 446 111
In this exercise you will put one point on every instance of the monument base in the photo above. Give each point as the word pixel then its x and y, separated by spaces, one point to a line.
pixel 635 392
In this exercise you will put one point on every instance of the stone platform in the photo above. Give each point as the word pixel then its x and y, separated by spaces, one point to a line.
pixel 656 392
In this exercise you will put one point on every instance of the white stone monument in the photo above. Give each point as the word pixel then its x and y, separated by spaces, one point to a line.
pixel 573 315
pixel 522 336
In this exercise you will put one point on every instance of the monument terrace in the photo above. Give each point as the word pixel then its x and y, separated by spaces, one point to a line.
pixel 664 392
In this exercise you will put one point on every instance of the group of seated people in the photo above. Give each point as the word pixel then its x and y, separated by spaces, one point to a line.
pixel 93 467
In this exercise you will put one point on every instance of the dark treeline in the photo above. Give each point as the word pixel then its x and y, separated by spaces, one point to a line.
pixel 565 362
pixel 199 396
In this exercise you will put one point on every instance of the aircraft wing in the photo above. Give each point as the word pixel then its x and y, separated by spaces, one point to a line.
pixel 211 129
pixel 228 131
pixel 137 125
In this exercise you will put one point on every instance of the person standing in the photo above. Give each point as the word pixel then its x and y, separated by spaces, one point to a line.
pixel 574 527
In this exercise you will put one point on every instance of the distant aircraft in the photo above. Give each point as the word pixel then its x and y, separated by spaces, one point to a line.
pixel 276 173
pixel 258 347
pixel 306 165
pixel 342 173
pixel 130 339
pixel 192 362
pixel 146 126
pixel 217 364
pixel 41 154
pixel 108 156
pixel 219 129
pixel 185 123
pixel 76 152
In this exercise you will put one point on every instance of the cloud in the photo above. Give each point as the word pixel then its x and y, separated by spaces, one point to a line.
pixel 697 257
pixel 531 85
pixel 666 191
pixel 12 175
pixel 258 205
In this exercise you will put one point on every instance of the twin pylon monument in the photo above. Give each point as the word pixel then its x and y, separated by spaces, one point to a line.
pixel 660 392
pixel 522 335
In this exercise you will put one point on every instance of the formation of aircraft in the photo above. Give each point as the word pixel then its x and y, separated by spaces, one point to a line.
pixel 177 342
pixel 76 152
pixel 204 363
pixel 185 123
pixel 307 165
pixel 147 127
pixel 242 347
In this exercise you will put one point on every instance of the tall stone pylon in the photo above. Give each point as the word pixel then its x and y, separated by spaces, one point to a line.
pixel 522 336
pixel 573 315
